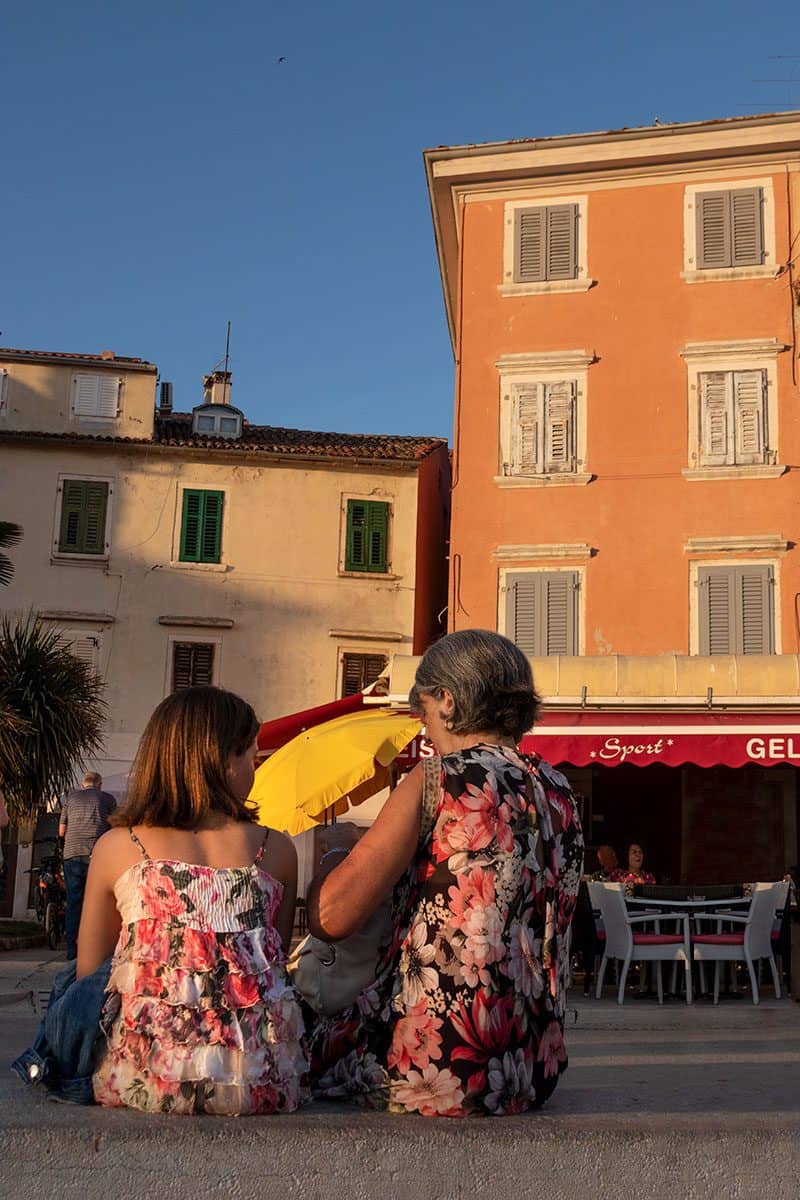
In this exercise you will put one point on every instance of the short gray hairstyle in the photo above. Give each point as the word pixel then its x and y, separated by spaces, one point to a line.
pixel 489 678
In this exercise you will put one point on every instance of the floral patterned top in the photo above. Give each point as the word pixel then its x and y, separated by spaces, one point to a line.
pixel 199 1015
pixel 630 877
pixel 466 1013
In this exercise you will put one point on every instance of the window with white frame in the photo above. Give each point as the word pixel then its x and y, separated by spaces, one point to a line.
pixel 221 420
pixel 729 230
pixel 85 645
pixel 735 609
pixel 732 408
pixel 733 417
pixel 96 394
pixel 543 418
pixel 545 246
pixel 82 517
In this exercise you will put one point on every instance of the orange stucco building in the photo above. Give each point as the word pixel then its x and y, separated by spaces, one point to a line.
pixel 624 309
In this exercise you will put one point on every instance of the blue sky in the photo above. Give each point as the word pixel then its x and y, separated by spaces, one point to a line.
pixel 163 173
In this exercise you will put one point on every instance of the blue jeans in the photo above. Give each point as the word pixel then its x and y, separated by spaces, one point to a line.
pixel 75 872
pixel 65 1050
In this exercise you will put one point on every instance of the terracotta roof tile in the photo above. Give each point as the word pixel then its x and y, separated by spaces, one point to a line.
pixel 176 430
pixel 6 352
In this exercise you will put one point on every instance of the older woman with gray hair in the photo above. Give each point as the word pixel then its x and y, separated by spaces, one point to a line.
pixel 481 849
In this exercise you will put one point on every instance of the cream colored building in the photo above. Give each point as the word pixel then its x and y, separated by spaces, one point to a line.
pixel 172 548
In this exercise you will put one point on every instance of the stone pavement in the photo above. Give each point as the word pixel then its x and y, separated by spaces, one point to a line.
pixel 673 1103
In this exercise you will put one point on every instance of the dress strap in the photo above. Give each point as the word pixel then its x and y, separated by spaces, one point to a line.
pixel 136 842
pixel 261 849
pixel 431 793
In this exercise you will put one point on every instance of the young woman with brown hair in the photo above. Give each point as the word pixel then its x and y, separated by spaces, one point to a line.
pixel 196 901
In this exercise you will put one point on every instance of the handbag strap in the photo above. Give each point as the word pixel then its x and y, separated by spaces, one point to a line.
pixel 431 791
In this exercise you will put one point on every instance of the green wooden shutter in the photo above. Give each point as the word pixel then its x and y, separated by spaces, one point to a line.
pixel 84 504
pixel 366 540
pixel 211 538
pixel 378 524
pixel 201 526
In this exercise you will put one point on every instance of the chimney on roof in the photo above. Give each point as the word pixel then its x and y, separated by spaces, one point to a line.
pixel 165 399
pixel 217 388
pixel 109 355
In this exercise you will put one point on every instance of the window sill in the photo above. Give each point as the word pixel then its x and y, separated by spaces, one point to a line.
pixel 193 566
pixel 573 479
pixel 546 287
pixel 728 274
pixel 368 575
pixel 757 471
pixel 78 560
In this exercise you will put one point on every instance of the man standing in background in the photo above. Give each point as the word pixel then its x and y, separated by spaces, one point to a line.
pixel 84 817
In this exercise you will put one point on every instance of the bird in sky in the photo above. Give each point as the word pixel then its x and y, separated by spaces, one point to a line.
pixel 282 58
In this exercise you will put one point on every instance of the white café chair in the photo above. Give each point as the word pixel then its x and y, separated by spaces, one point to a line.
pixel 625 943
pixel 750 943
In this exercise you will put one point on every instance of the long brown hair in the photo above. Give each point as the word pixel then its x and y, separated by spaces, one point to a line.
pixel 180 772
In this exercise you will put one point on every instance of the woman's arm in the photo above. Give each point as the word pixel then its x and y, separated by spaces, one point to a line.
pixel 341 902
pixel 100 919
pixel 281 864
pixel 3 812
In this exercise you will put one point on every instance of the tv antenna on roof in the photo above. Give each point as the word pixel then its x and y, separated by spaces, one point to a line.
pixel 224 362
pixel 793 81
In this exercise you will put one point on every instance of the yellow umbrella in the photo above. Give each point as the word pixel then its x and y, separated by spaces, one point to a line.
pixel 330 767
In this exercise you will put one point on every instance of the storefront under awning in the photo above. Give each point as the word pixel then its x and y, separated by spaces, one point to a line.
pixel 644 739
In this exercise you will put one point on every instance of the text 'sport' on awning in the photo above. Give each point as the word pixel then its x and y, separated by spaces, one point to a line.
pixel 643 739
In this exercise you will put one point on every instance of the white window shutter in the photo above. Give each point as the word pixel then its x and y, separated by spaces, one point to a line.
pixel 559 421
pixel 85 646
pixel 716 418
pixel 525 431
pixel 96 395
pixel 108 395
pixel 749 389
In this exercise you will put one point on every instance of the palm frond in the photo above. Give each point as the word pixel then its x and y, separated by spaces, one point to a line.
pixel 10 535
pixel 52 714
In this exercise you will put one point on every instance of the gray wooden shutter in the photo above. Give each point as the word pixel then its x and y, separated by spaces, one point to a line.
pixel 559 424
pixel 713 230
pixel 736 610
pixel 560 594
pixel 730 229
pixel 521 610
pixel 562 241
pixel 530 265
pixel 716 418
pixel 541 611
pixel 749 409
pixel 747 238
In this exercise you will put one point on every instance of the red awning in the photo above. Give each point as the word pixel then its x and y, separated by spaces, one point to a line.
pixel 642 739
pixel 706 739
pixel 274 734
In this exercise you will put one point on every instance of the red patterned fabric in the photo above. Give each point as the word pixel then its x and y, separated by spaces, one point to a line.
pixel 719 939
pixel 657 939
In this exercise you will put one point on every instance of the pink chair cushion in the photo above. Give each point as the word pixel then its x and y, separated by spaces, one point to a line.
pixel 719 939
pixel 775 935
pixel 657 939
pixel 601 935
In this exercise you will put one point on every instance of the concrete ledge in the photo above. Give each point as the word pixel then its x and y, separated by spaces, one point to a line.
pixel 670 1103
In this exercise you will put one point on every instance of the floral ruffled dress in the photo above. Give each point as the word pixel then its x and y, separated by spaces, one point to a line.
pixel 466 1013
pixel 199 1014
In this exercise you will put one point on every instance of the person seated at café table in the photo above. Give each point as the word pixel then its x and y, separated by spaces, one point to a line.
pixel 634 873
pixel 607 865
